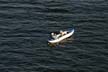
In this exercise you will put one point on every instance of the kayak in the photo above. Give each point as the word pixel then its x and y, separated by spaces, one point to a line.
pixel 70 33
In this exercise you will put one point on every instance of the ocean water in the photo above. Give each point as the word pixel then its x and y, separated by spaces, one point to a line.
pixel 25 27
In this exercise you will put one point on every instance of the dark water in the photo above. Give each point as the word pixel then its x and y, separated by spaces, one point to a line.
pixel 25 27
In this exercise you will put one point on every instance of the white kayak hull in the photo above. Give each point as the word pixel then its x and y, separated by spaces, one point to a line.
pixel 63 37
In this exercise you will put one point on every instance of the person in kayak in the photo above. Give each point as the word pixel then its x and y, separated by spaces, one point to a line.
pixel 63 32
pixel 56 36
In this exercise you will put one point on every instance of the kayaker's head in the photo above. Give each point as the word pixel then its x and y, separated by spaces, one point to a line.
pixel 61 31
pixel 52 34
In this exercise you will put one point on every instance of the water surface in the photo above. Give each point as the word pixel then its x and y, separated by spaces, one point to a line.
pixel 25 27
